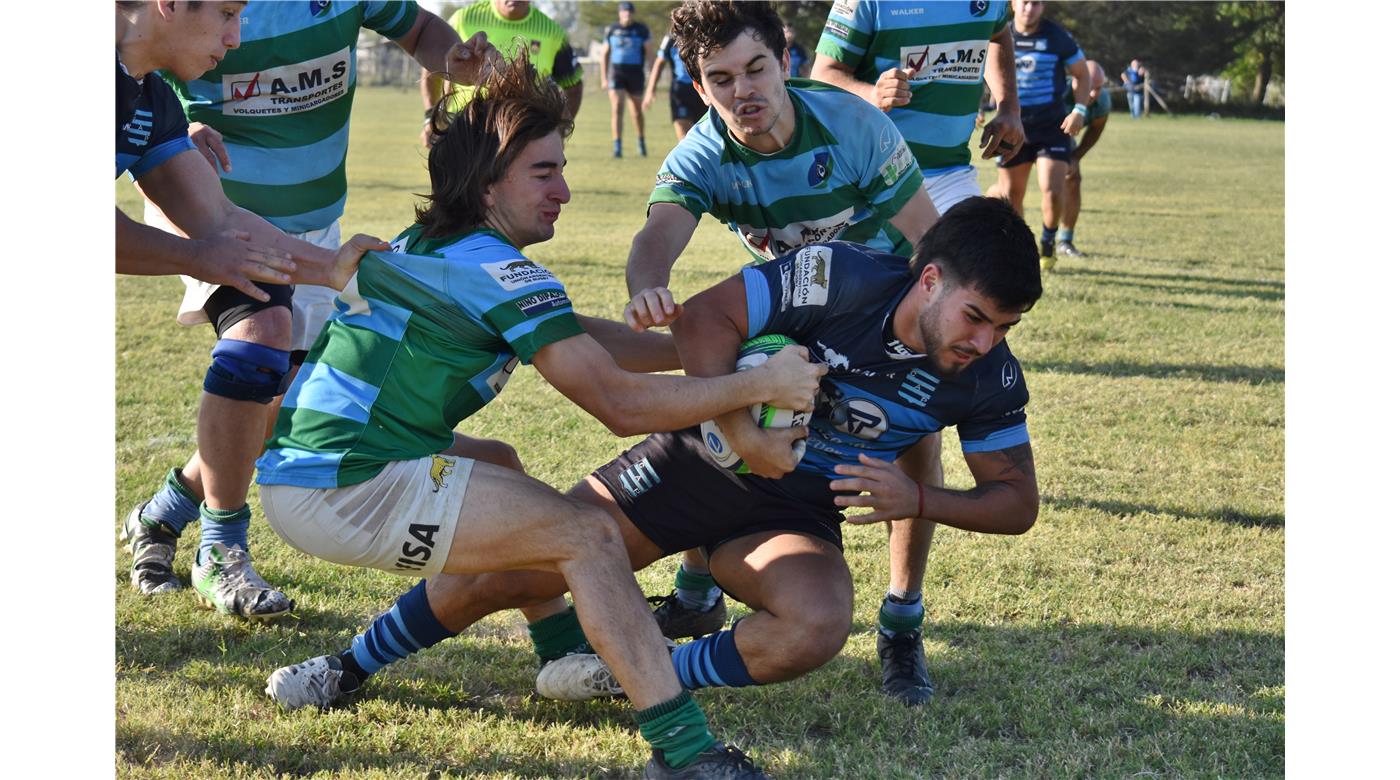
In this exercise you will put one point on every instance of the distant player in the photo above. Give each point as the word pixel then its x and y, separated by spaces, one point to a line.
pixel 625 58
pixel 360 470
pixel 1045 53
pixel 921 345
pixel 510 25
pixel 1100 105
pixel 799 61
pixel 926 70
pixel 686 105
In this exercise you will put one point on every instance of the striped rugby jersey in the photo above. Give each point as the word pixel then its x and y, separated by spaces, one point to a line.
pixel 424 336
pixel 843 175
pixel 282 102
pixel 1041 75
pixel 947 45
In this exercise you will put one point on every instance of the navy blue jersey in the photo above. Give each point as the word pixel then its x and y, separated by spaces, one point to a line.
pixel 838 299
pixel 797 57
pixel 151 126
pixel 1041 58
pixel 625 43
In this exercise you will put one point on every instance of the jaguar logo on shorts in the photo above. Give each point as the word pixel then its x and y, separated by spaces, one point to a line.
pixel 440 471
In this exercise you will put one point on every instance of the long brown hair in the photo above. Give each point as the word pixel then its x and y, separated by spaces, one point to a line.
pixel 511 107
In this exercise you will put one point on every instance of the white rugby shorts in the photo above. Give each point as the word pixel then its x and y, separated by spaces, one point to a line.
pixel 401 521
pixel 312 305
pixel 948 188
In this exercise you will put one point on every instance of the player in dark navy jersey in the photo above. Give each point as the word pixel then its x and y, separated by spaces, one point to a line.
pixel 624 62
pixel 911 347
pixel 226 245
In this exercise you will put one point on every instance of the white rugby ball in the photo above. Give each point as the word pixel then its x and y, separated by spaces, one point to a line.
pixel 753 353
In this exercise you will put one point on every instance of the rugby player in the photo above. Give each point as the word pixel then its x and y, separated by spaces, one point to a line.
pixel 624 57
pixel 1045 53
pixel 509 25
pixel 273 116
pixel 223 244
pixel 924 65
pixel 356 472
pixel 783 165
pixel 913 345
pixel 686 105
pixel 1100 105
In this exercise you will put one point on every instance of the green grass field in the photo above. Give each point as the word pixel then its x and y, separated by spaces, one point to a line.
pixel 1136 631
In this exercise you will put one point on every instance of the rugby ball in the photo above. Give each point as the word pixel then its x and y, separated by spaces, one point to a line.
pixel 753 353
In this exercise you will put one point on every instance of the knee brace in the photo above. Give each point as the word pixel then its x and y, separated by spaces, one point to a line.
pixel 244 371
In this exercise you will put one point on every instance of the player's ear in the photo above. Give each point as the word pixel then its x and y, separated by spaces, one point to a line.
pixel 786 60
pixel 930 277
pixel 701 92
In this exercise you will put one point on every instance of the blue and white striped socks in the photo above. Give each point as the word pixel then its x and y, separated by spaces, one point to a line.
pixel 711 662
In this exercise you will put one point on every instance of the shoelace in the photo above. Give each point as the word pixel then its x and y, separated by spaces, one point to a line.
pixel 899 653
pixel 239 573
pixel 736 757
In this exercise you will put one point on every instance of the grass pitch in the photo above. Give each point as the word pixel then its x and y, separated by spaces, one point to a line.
pixel 1135 631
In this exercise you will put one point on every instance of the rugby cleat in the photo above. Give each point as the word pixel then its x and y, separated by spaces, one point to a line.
pixel 677 621
pixel 721 762
pixel 227 583
pixel 152 548
pixel 1047 256
pixel 316 682
pixel 1068 249
pixel 578 676
pixel 641 147
pixel 905 676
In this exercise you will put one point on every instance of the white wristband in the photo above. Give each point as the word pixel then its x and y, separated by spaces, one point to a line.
pixel 1081 109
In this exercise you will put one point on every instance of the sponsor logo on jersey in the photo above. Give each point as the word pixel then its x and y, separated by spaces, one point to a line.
pixel 638 478
pixel 664 178
pixel 785 282
pixel 831 357
pixel 809 279
pixel 918 387
pixel 846 8
pixel 886 139
pixel 440 470
pixel 860 417
pixel 897 349
pixel 913 11
pixel 541 302
pixel 958 62
pixel 978 7
pixel 289 89
pixel 896 164
pixel 1025 64
pixel 535 48
pixel 820 170
pixel 837 29
pixel 1041 44
pixel 514 274
pixel 1008 374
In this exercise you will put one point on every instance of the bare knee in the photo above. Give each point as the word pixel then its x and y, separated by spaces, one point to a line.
pixel 590 532
pixel 809 638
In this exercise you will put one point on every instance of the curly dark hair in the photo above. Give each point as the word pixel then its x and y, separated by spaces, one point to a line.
pixel 512 107
pixel 700 26
pixel 984 243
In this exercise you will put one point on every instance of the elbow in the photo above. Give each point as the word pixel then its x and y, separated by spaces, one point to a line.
pixel 620 420
pixel 1024 519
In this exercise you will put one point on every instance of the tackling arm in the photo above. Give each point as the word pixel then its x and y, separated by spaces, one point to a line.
pixel 654 250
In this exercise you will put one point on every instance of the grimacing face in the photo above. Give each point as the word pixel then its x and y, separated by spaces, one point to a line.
pixel 958 325
pixel 526 202
pixel 744 83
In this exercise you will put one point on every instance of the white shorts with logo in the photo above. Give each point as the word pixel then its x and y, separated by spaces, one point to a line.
pixel 312 305
pixel 401 521
pixel 949 188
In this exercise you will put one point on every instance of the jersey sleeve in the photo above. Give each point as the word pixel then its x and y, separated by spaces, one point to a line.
pixel 646 33
pixel 567 72
pixel 889 177
pixel 169 137
pixel 392 20
pixel 686 178
pixel 794 293
pixel 514 296
pixel 663 49
pixel 848 31
pixel 998 421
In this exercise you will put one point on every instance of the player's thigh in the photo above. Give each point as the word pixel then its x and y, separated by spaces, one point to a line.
pixel 1052 173
pixel 510 520
pixel 641 551
pixel 1012 181
pixel 784 573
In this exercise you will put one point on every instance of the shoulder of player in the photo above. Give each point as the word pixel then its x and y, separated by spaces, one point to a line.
pixel 997 372
pixel 830 103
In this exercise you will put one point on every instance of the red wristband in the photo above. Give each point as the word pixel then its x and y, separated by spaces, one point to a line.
pixel 920 513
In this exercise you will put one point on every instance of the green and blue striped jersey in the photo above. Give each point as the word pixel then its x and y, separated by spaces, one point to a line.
pixel 282 102
pixel 947 46
pixel 424 336
pixel 843 175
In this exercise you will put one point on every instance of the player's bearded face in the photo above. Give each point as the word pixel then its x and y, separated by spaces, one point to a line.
pixel 956 328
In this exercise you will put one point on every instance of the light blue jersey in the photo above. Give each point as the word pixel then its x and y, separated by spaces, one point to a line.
pixel 845 173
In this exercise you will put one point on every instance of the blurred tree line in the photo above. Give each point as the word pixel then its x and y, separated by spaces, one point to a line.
pixel 1240 39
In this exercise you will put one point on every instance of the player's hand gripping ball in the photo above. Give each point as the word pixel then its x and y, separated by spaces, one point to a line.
pixel 754 353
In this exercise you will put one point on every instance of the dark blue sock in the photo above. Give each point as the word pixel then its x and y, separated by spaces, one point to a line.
pixel 173 505
pixel 408 626
pixel 1047 234
pixel 711 662
pixel 229 526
